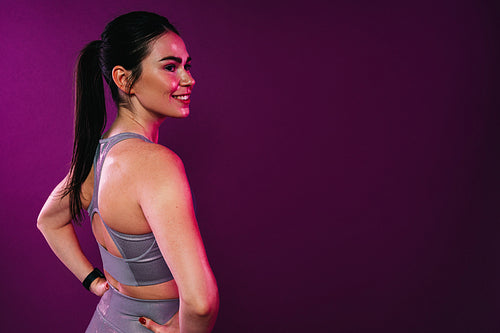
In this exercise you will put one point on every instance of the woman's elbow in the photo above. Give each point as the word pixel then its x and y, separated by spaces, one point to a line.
pixel 207 306
pixel 40 222
pixel 44 222
pixel 211 305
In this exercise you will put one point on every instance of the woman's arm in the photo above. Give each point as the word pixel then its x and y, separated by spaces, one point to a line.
pixel 54 221
pixel 165 199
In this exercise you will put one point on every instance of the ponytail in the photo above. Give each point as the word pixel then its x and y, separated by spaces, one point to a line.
pixel 126 42
pixel 90 121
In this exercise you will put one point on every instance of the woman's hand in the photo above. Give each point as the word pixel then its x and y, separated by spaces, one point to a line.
pixel 99 286
pixel 172 326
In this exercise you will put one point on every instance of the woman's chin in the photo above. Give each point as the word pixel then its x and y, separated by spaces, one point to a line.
pixel 184 113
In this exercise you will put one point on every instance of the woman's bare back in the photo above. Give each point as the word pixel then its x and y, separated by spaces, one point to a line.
pixel 119 207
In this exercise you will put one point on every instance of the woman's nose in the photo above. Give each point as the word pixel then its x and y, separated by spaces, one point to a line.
pixel 187 79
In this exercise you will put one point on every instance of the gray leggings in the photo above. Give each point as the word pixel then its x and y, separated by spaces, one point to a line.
pixel 120 313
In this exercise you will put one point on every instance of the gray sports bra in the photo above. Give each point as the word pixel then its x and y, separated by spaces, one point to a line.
pixel 142 263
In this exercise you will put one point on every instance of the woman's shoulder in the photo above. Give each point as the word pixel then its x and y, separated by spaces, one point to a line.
pixel 153 170
pixel 145 158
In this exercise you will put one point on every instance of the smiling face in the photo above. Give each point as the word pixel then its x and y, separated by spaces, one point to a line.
pixel 165 84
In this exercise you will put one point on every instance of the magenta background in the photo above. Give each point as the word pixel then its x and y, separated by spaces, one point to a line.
pixel 343 156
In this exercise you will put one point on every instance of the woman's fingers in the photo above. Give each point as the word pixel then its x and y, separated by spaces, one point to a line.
pixel 150 324
pixel 171 326
pixel 99 286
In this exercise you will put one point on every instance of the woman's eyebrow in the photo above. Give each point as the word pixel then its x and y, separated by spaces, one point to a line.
pixel 176 59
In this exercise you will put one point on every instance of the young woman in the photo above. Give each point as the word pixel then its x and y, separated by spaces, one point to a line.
pixel 156 273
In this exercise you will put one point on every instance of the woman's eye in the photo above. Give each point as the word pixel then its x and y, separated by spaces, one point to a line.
pixel 170 68
pixel 187 67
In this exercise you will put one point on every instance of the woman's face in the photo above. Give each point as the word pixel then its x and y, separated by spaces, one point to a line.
pixel 164 87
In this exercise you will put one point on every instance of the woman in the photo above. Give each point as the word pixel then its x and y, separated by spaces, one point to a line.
pixel 156 273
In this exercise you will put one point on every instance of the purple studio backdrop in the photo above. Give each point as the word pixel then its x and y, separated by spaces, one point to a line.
pixel 343 157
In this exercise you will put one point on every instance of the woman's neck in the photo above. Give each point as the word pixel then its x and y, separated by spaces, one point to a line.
pixel 128 121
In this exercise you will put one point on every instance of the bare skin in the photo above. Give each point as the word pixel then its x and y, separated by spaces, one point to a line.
pixel 144 189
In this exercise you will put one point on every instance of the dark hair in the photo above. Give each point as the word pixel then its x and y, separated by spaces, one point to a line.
pixel 126 42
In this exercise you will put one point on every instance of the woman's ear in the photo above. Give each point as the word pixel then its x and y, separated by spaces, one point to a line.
pixel 120 77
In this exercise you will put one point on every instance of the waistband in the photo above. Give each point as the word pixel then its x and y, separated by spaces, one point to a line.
pixel 141 300
pixel 118 305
